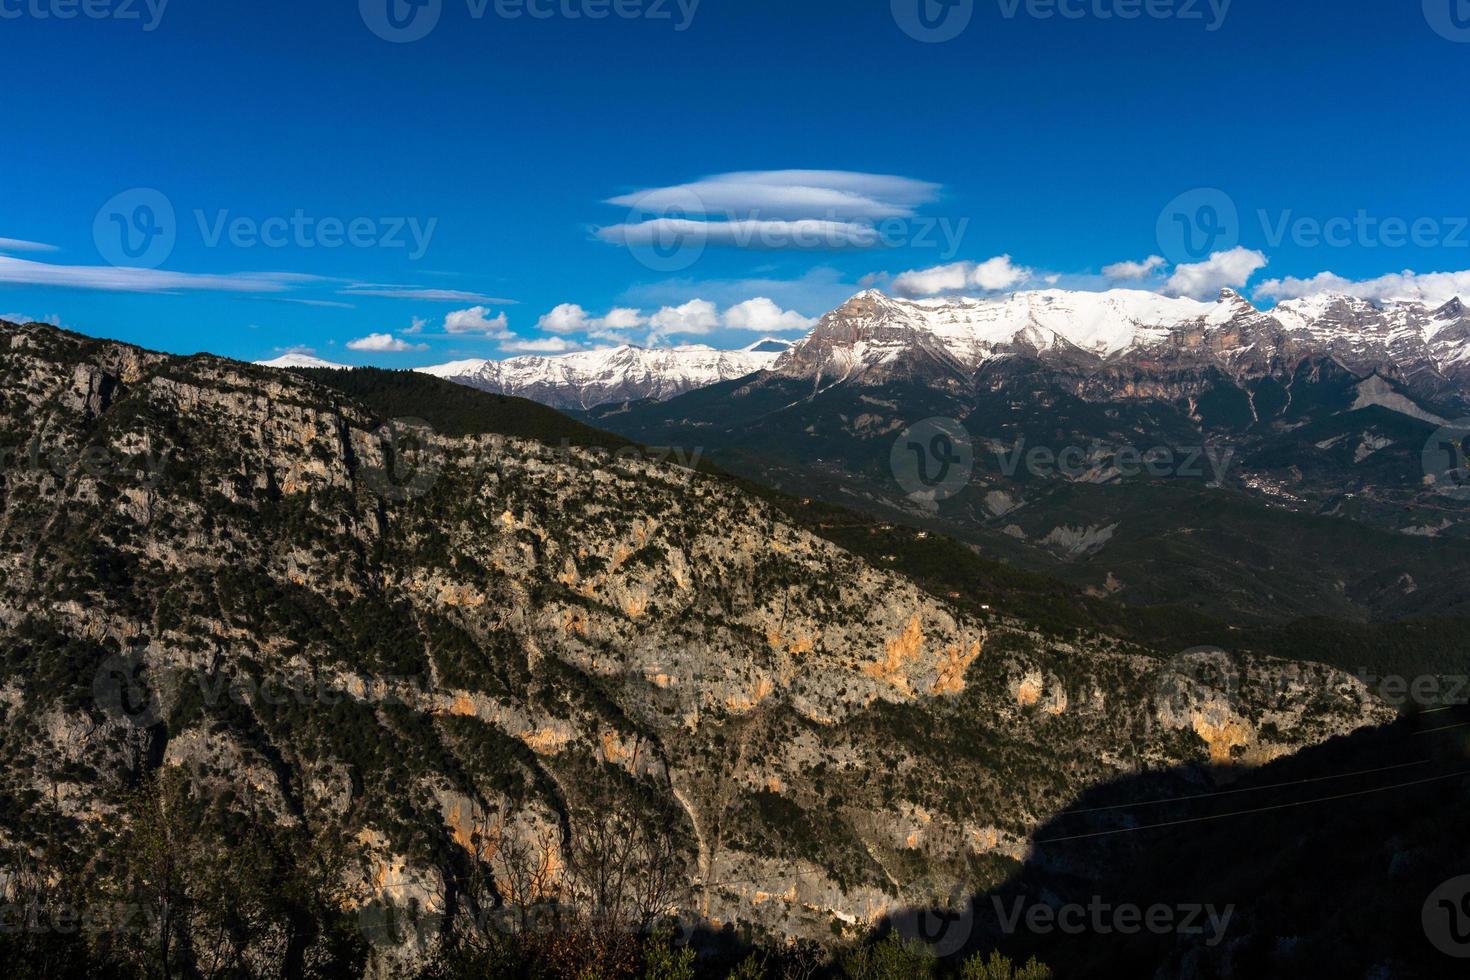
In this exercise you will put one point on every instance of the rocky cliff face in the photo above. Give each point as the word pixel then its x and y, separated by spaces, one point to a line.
pixel 322 617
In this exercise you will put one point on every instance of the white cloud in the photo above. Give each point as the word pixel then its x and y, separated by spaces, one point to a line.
pixel 570 318
pixel 999 273
pixel 541 345
pixel 21 245
pixel 783 194
pixel 1132 271
pixel 1431 288
pixel 1204 280
pixel 125 279
pixel 990 276
pixel 476 319
pixel 695 317
pixel 383 343
pixel 564 319
pixel 761 315
pixel 622 318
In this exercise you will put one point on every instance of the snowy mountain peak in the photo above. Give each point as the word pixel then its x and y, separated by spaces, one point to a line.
pixel 585 379
pixel 301 361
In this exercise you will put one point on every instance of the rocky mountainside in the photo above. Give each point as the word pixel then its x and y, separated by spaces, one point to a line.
pixel 586 379
pixel 326 619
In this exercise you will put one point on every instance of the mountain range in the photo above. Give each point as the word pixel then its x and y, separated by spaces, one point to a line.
pixel 586 379
pixel 1329 420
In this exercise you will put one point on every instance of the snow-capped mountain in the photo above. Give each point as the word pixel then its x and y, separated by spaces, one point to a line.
pixel 873 336
pixel 589 378
pixel 301 361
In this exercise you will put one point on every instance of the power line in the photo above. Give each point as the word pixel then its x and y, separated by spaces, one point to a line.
pixel 1260 809
pixel 1245 789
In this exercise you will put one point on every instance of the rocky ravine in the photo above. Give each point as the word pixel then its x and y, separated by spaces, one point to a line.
pixel 229 570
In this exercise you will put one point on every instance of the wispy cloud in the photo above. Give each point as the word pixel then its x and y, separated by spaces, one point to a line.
pixel 751 233
pixel 332 304
pixel 21 245
pixel 840 194
pixel 123 279
pixel 426 295
pixel 771 209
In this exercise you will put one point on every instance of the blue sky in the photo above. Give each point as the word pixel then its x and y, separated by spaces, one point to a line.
pixel 488 181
